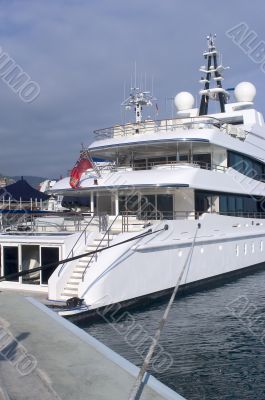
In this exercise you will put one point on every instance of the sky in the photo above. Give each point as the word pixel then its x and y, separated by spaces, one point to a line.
pixel 81 54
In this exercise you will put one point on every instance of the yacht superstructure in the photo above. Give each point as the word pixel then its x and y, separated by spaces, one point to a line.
pixel 202 175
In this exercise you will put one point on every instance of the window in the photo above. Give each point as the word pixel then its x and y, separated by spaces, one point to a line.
pixel 204 160
pixel 157 206
pixel 165 205
pixel 140 164
pixel 239 204
pixel 223 204
pixel 229 204
pixel 129 203
pixel 148 206
pixel 246 165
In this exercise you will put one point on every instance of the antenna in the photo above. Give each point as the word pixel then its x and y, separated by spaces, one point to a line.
pixel 124 90
pixel 135 79
pixel 137 99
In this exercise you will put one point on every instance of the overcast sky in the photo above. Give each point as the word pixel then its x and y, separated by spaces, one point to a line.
pixel 81 52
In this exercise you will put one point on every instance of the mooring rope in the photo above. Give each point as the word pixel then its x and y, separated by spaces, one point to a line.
pixel 134 395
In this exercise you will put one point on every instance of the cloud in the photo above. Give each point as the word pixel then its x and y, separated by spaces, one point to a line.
pixel 81 52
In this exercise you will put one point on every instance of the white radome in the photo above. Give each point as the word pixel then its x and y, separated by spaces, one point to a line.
pixel 245 92
pixel 184 101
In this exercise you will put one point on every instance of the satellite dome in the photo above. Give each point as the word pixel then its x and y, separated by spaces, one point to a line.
pixel 245 92
pixel 184 101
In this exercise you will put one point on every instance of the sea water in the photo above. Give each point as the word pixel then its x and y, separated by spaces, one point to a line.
pixel 212 346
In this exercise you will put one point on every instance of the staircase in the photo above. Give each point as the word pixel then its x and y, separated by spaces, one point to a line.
pixel 71 287
pixel 102 240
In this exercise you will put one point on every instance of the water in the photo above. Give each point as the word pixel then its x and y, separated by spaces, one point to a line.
pixel 216 339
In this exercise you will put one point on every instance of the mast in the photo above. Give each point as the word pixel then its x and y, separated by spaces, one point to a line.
pixel 212 72
pixel 138 99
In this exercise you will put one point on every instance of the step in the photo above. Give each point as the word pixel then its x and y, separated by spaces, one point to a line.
pixel 68 295
pixel 101 239
pixel 70 292
pixel 80 267
pixel 65 297
pixel 93 247
pixel 78 273
pixel 75 279
pixel 83 263
pixel 71 285
pixel 84 259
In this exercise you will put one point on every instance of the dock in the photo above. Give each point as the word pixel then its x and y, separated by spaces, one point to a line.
pixel 43 356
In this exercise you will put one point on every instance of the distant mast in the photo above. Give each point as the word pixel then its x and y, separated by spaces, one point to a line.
pixel 213 72
pixel 137 100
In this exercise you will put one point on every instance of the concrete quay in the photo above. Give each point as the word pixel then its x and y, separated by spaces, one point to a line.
pixel 43 356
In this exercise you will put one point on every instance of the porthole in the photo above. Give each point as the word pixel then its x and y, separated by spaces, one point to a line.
pixel 245 248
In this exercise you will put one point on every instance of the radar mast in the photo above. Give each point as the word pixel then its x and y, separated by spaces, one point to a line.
pixel 212 73
pixel 138 99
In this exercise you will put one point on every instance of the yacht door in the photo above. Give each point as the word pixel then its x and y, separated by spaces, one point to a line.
pixel 10 262
pixel 49 255
pixel 30 258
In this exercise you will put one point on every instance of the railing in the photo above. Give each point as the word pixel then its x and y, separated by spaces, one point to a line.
pixel 71 252
pixel 167 165
pixel 8 203
pixel 155 215
pixel 40 221
pixel 95 255
pixel 141 217
pixel 243 214
pixel 149 216
pixel 151 126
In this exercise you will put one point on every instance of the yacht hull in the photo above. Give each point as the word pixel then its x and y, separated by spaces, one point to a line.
pixel 224 247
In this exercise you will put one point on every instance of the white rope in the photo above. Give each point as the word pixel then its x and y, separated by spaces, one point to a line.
pixel 137 385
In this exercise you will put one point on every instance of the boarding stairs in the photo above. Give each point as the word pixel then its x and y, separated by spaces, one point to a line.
pixel 116 225
pixel 71 287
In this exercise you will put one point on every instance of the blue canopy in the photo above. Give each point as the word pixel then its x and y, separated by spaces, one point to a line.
pixel 21 190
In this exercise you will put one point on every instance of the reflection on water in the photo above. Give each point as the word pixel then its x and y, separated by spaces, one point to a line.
pixel 216 339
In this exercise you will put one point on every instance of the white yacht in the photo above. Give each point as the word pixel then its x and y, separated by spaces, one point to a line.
pixel 188 191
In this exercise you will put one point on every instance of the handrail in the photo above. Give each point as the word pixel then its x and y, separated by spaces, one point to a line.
pixel 40 221
pixel 157 123
pixel 170 165
pixel 175 215
pixel 79 237
pixel 168 124
pixel 95 254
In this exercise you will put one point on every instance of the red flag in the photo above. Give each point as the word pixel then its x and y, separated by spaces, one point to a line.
pixel 80 167
pixel 84 165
